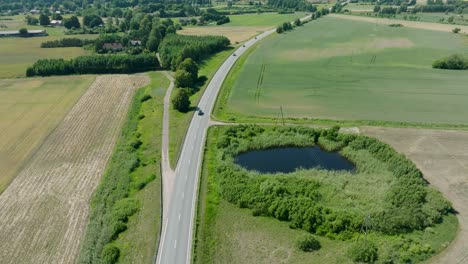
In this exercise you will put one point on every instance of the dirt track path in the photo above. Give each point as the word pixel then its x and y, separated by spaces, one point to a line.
pixel 412 24
pixel 167 173
pixel 43 213
pixel 442 156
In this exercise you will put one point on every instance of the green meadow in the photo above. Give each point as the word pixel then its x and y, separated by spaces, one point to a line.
pixel 19 53
pixel 348 70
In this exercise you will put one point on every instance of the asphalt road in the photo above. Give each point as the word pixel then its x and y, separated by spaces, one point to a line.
pixel 175 246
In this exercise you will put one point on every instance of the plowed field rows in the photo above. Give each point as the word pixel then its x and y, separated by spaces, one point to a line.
pixel 29 110
pixel 43 212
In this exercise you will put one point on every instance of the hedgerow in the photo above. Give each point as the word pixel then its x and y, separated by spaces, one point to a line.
pixel 66 42
pixel 94 64
pixel 112 203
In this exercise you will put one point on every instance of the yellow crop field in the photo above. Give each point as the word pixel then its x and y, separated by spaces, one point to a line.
pixel 29 110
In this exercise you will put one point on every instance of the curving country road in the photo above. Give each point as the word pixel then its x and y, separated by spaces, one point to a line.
pixel 176 238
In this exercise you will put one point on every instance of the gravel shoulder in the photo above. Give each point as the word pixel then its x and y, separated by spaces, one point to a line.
pixel 443 158
pixel 43 213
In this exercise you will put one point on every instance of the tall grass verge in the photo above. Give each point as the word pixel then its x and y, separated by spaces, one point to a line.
pixel 125 208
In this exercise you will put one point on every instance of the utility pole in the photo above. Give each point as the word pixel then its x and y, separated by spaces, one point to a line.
pixel 282 115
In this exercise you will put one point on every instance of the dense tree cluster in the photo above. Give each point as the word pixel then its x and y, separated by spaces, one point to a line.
pixel 71 22
pixel 92 21
pixel 186 78
pixel 410 205
pixel 181 101
pixel 94 64
pixel 298 5
pixel 453 62
pixel 44 20
pixel 30 20
pixel 212 14
pixel 175 48
pixel 66 42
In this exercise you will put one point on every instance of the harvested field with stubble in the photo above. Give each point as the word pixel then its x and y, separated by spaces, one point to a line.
pixel 234 34
pixel 44 211
pixel 442 157
pixel 29 110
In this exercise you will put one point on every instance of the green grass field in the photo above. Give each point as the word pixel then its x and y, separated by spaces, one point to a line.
pixel 29 110
pixel 437 18
pixel 348 70
pixel 227 232
pixel 423 17
pixel 19 53
pixel 263 19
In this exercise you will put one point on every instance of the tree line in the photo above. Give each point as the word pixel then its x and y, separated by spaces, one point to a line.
pixel 175 48
pixel 286 26
pixel 66 42
pixel 186 79
pixel 94 64
pixel 298 5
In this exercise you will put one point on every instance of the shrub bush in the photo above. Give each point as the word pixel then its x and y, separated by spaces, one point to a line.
pixel 110 254
pixel 363 251
pixel 308 243
pixel 145 98
pixel 453 62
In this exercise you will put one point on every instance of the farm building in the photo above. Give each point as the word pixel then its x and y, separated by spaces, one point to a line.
pixel 16 33
pixel 112 47
pixel 56 23
pixel 135 42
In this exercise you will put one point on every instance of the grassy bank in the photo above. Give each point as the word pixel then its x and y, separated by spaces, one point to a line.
pixel 227 230
pixel 355 73
pixel 179 122
pixel 125 209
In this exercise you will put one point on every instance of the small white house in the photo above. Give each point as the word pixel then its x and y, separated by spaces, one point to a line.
pixel 56 23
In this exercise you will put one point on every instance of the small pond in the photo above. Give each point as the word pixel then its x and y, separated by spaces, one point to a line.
pixel 289 159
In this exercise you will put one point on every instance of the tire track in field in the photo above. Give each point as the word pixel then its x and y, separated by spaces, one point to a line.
pixel 258 90
pixel 43 213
